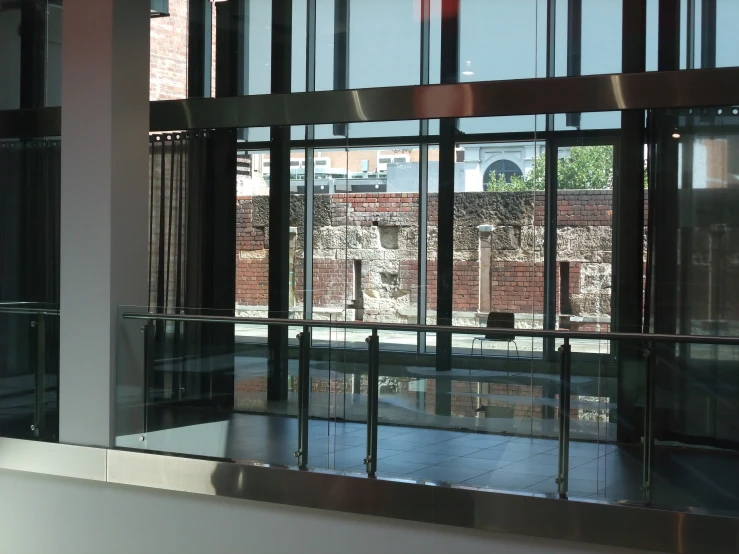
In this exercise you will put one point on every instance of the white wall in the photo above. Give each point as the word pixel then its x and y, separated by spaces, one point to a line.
pixel 50 514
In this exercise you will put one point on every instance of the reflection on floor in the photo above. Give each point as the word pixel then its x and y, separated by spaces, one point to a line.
pixel 604 471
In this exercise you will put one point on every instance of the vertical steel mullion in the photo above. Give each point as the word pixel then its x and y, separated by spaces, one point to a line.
pixel 304 390
pixel 574 50
pixel 709 17
pixel 162 203
pixel 565 388
pixel 149 330
pixel 423 189
pixel 152 157
pixel 549 159
pixel 551 162
pixel 668 54
pixel 279 205
pixel 199 48
pixel 341 57
pixel 33 53
pixel 373 377
pixel 648 465
pixel 40 419
pixel 690 35
pixel 551 48
pixel 627 290
pixel 447 159
pixel 310 135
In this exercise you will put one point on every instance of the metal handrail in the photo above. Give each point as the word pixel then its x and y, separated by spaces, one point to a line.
pixel 414 327
pixel 6 308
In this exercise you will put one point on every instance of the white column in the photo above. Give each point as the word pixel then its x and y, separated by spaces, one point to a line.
pixel 104 201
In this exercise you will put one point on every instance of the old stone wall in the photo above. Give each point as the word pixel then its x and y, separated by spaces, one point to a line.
pixel 369 242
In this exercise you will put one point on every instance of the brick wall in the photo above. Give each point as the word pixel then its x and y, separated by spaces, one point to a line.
pixel 168 62
pixel 516 276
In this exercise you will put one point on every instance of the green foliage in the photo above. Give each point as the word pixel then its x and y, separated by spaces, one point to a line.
pixel 587 167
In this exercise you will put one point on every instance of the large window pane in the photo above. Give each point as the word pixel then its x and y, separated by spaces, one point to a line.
pixel 598 35
pixel 381 43
pixel 489 29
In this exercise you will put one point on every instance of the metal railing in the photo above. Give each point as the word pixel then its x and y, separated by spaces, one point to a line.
pixel 646 342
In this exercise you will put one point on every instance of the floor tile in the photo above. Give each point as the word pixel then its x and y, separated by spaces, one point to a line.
pixel 478 440
pixel 397 444
pixel 420 458
pixel 340 440
pixel 387 467
pixel 326 446
pixel 476 463
pixel 553 459
pixel 503 480
pixel 526 467
pixel 578 487
pixel 453 475
pixel 447 449
pixel 526 447
pixel 495 453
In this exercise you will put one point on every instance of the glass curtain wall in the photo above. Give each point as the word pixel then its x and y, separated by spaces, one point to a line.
pixel 514 222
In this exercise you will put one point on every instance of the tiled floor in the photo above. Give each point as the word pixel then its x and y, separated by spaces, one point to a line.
pixel 683 477
pixel 459 458
pixel 450 457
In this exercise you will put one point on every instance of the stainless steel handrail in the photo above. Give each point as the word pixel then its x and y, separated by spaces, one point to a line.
pixel 413 327
pixel 28 311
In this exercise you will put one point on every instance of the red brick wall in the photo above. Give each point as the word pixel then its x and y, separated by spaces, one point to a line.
pixel 251 272
pixel 168 63
pixel 516 286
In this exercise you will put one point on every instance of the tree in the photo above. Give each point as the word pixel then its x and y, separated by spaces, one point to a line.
pixel 587 167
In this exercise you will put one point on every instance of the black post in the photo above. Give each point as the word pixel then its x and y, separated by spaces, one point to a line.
pixel 310 134
pixel 150 344
pixel 199 48
pixel 627 292
pixel 279 206
pixel 663 208
pixel 304 390
pixel 447 159
pixel 574 50
pixel 423 189
pixel 708 34
pixel 373 378
pixel 648 464
pixel 39 426
pixel 551 163
pixel 341 55
pixel 229 54
pixel 222 263
pixel 668 54
pixel 33 53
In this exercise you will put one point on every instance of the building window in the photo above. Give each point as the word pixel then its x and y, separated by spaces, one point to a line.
pixel 506 168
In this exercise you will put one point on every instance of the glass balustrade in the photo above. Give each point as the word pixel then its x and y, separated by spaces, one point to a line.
pixel 502 418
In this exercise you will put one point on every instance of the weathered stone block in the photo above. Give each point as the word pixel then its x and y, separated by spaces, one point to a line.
pixel 595 278
pixel 591 304
pixel 389 237
pixel 505 238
